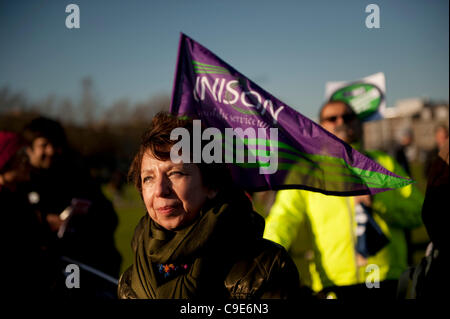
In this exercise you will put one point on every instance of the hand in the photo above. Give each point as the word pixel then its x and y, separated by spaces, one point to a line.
pixel 366 200
pixel 360 260
pixel 54 222
pixel 80 206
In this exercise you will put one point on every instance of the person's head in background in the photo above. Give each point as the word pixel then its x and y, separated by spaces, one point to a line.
pixel 441 135
pixel 405 137
pixel 14 165
pixel 46 141
pixel 340 119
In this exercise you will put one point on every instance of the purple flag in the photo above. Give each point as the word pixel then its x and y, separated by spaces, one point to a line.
pixel 279 148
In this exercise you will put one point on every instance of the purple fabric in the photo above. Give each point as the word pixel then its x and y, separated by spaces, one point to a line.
pixel 9 145
pixel 209 89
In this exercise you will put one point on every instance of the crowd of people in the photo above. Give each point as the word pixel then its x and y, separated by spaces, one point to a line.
pixel 201 237
pixel 60 211
pixel 327 235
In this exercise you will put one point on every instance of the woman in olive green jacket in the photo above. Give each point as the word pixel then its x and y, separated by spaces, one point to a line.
pixel 200 238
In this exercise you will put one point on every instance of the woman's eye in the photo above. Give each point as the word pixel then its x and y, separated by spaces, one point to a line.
pixel 176 173
pixel 147 179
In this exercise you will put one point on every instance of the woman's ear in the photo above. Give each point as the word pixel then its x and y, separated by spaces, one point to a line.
pixel 212 193
pixel 29 151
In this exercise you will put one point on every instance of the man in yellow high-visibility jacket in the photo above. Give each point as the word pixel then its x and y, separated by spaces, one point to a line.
pixel 321 231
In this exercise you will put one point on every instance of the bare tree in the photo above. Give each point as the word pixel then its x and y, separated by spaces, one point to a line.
pixel 66 111
pixel 12 101
pixel 88 101
pixel 118 113
pixel 144 112
pixel 47 106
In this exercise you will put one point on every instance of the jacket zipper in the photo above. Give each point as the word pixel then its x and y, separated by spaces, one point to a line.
pixel 349 206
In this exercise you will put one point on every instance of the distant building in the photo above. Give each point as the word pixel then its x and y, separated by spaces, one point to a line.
pixel 419 115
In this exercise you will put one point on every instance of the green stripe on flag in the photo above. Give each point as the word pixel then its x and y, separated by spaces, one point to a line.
pixel 322 172
pixel 369 178
pixel 313 165
pixel 210 72
pixel 196 67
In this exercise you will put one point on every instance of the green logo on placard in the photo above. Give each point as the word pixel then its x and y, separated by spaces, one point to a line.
pixel 365 98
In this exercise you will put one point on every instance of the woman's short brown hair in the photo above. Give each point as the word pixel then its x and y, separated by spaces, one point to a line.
pixel 156 140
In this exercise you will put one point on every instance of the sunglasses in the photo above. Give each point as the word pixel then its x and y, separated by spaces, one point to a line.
pixel 347 118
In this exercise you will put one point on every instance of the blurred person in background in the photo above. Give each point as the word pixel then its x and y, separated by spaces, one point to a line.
pixel 30 264
pixel 435 219
pixel 428 279
pixel 14 166
pixel 440 138
pixel 405 140
pixel 80 218
pixel 335 240
pixel 405 153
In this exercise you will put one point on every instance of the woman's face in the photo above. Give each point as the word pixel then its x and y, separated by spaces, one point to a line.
pixel 173 193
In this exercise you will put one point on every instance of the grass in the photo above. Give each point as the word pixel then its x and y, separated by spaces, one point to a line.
pixel 130 209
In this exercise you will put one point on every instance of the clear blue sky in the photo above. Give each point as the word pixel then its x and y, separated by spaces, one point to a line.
pixel 290 48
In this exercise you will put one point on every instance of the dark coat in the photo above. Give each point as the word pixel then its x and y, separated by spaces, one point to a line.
pixel 268 272
pixel 258 268
pixel 89 237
